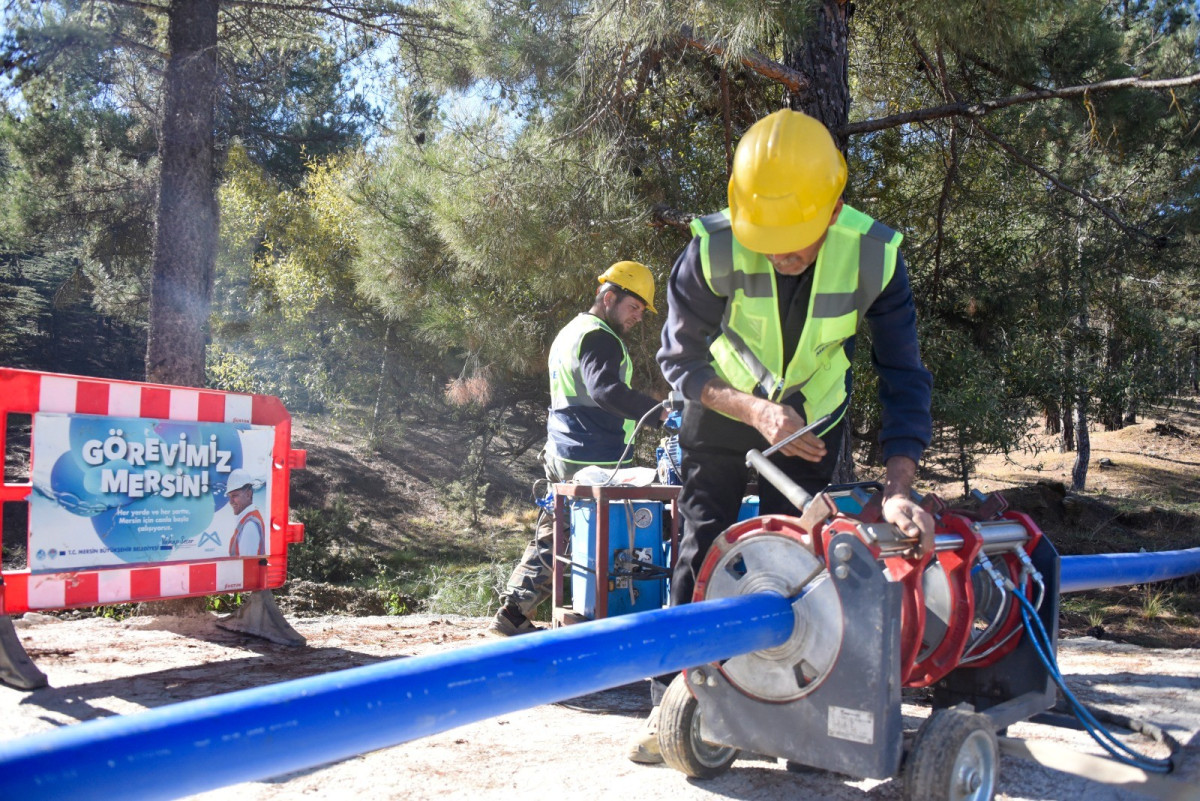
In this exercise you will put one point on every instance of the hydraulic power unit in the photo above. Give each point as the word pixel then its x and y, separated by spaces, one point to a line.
pixel 636 557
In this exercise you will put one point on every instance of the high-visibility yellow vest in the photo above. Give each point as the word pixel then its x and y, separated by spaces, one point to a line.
pixel 567 387
pixel 856 262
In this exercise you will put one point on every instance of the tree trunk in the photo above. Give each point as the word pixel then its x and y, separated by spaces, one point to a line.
pixel 1068 425
pixel 1083 450
pixel 383 373
pixel 185 235
pixel 1130 415
pixel 964 464
pixel 1195 363
pixel 1067 350
pixel 1053 420
pixel 824 56
pixel 1081 368
pixel 186 218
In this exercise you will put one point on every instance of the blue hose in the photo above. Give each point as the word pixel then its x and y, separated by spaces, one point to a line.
pixel 1100 571
pixel 1107 740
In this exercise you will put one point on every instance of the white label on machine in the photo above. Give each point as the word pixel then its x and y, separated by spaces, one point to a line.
pixel 854 725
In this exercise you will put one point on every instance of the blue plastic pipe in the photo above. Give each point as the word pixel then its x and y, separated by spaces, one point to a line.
pixel 1098 571
pixel 199 745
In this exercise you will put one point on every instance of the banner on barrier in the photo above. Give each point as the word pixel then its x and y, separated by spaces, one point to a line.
pixel 111 491
pixel 143 492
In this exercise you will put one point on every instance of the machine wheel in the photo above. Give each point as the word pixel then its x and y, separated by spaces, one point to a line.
pixel 954 758
pixel 679 736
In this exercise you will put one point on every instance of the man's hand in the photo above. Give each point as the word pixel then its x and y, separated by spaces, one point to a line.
pixel 901 510
pixel 777 422
pixel 912 520
pixel 774 421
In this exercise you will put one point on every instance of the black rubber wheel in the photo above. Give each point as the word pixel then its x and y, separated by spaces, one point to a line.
pixel 679 736
pixel 954 758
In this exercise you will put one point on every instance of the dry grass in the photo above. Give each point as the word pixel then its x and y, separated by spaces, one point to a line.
pixel 1142 491
pixel 1156 459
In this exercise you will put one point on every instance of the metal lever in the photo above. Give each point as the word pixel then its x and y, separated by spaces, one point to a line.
pixel 793 436
pixel 790 489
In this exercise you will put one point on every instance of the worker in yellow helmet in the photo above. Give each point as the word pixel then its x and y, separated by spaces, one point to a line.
pixel 593 412
pixel 763 307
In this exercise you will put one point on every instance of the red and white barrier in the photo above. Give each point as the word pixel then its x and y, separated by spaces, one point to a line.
pixel 27 392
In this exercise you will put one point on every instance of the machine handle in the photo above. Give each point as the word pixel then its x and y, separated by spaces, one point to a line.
pixel 790 489
pixel 794 435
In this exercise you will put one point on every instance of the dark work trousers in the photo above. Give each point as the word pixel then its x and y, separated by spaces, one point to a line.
pixel 714 483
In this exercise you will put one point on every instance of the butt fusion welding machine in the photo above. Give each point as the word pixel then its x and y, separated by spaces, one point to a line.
pixel 872 617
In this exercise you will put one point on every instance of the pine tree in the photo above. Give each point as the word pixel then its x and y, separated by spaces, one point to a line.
pixel 987 132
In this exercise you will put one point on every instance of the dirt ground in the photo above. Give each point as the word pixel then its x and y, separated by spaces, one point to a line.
pixel 99 667
pixel 1156 460
pixel 1145 493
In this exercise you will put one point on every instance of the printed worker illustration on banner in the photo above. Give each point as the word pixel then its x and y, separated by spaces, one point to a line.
pixel 120 491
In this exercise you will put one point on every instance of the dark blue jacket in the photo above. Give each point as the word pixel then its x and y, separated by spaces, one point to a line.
pixel 589 435
pixel 905 386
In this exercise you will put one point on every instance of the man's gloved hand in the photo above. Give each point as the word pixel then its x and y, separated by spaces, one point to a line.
pixel 673 422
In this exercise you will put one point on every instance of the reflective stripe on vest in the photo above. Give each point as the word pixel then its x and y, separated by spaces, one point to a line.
pixel 567 387
pixel 234 549
pixel 856 262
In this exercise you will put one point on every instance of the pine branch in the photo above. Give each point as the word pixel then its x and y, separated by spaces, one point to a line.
pixel 992 69
pixel 793 80
pixel 1082 194
pixel 982 107
pixel 614 95
pixel 151 8
pixel 389 18
pixel 943 205
pixel 1156 282
pixel 138 47
pixel 664 216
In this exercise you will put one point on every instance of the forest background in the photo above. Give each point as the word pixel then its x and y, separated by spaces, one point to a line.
pixel 382 212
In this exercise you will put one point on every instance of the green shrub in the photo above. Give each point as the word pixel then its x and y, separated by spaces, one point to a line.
pixel 471 591
pixel 329 553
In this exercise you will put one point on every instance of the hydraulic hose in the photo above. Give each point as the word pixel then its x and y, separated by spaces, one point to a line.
pixel 1044 647
pixel 633 438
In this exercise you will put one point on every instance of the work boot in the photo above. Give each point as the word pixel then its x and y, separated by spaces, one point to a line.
pixel 509 622
pixel 643 748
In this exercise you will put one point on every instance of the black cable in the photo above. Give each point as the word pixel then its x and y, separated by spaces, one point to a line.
pixel 658 407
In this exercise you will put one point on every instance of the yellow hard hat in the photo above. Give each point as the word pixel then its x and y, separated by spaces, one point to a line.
pixel 633 277
pixel 787 178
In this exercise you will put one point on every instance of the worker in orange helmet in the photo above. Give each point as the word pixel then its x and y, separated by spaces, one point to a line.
pixel 763 307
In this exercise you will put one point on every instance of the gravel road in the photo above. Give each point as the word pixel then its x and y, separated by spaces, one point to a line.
pixel 99 667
